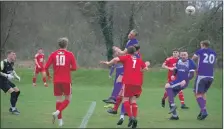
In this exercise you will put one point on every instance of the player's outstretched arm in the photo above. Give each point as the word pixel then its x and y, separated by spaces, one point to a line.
pixel 120 51
pixel 113 61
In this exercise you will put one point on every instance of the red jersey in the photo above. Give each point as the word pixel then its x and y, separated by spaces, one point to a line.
pixel 170 62
pixel 132 70
pixel 63 63
pixel 40 59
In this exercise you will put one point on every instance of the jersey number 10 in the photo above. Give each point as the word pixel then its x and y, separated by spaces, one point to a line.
pixel 60 60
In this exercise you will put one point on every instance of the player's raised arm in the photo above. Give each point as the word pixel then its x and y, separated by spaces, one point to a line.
pixel 73 63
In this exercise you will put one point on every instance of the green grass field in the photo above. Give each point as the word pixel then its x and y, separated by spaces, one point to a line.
pixel 37 103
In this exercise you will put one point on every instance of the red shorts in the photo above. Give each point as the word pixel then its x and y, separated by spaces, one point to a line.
pixel 38 70
pixel 132 90
pixel 62 89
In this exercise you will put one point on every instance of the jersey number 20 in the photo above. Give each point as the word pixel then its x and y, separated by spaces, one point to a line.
pixel 209 58
pixel 60 60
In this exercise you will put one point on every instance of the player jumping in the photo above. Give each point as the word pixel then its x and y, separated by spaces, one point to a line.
pixel 7 74
pixel 39 67
pixel 183 73
pixel 132 80
pixel 205 75
pixel 63 63
pixel 170 64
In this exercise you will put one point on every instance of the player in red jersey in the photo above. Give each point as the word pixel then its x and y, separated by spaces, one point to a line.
pixel 170 64
pixel 132 80
pixel 63 62
pixel 39 67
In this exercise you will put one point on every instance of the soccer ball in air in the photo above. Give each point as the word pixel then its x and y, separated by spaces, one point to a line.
pixel 190 10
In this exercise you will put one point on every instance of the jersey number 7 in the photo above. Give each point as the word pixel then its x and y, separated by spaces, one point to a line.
pixel 134 63
pixel 60 60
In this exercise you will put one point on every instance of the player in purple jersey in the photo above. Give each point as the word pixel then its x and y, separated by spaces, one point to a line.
pixel 205 74
pixel 184 72
pixel 131 42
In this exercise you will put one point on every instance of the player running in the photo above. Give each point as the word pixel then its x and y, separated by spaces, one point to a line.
pixel 63 62
pixel 183 72
pixel 7 74
pixel 205 75
pixel 170 64
pixel 132 80
pixel 39 67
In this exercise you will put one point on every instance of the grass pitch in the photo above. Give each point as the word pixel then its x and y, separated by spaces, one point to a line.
pixel 37 103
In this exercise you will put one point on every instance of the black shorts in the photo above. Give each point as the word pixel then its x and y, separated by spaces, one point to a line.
pixel 5 85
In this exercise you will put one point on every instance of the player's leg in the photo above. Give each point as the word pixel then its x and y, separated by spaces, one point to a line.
pixel 44 77
pixel 201 87
pixel 58 93
pixel 48 75
pixel 13 108
pixel 36 71
pixel 163 102
pixel 134 108
pixel 181 98
pixel 171 94
pixel 67 90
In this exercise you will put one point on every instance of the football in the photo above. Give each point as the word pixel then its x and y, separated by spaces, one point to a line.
pixel 190 10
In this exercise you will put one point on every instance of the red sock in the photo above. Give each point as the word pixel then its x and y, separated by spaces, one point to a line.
pixel 58 104
pixel 34 80
pixel 127 108
pixel 134 109
pixel 44 79
pixel 165 95
pixel 118 102
pixel 64 104
pixel 181 97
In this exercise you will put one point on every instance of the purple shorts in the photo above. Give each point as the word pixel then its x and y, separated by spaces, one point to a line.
pixel 175 85
pixel 202 84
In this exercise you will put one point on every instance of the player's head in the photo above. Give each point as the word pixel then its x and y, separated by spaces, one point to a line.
pixel 131 50
pixel 137 47
pixel 132 34
pixel 183 54
pixel 176 53
pixel 205 44
pixel 40 50
pixel 63 43
pixel 11 55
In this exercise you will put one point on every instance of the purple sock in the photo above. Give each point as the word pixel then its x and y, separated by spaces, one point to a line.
pixel 116 90
pixel 122 109
pixel 201 103
pixel 170 95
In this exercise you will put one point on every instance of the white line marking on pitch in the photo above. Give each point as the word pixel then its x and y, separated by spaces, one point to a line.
pixel 88 115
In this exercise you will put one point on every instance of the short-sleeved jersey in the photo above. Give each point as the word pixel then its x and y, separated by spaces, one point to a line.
pixel 63 61
pixel 207 58
pixel 132 70
pixel 40 59
pixel 170 62
pixel 183 69
pixel 6 67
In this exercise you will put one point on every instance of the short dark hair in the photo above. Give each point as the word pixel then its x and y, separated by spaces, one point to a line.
pixel 131 50
pixel 137 47
pixel 176 50
pixel 183 50
pixel 63 42
pixel 9 52
pixel 206 43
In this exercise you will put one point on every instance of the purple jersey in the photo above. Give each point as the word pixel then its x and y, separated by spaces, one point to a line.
pixel 206 61
pixel 131 42
pixel 183 69
pixel 119 70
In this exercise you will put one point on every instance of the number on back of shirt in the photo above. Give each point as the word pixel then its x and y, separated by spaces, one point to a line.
pixel 209 59
pixel 134 63
pixel 60 60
